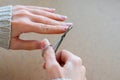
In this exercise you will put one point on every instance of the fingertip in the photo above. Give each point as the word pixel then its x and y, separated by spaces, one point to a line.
pixel 43 43
pixel 46 41
pixel 62 17
pixel 52 9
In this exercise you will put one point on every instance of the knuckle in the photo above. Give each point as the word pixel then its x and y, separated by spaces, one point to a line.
pixel 23 21
pixel 77 61
pixel 46 20
pixel 19 7
pixel 44 28
pixel 24 12
pixel 21 13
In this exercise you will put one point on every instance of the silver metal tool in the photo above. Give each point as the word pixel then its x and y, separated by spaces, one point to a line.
pixel 56 46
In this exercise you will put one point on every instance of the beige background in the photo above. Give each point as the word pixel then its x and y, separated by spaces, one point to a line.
pixel 95 38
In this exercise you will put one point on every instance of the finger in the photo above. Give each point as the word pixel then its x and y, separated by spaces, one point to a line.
pixel 42 8
pixel 49 56
pixel 30 26
pixel 46 20
pixel 46 29
pixel 17 44
pixel 47 14
pixel 64 55
pixel 68 58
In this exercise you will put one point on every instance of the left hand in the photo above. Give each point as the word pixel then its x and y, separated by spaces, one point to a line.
pixel 34 19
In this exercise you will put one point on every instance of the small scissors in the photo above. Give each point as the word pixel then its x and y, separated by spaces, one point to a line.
pixel 56 46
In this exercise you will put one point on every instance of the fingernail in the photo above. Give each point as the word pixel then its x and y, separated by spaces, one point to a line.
pixel 68 24
pixel 63 17
pixel 53 9
pixel 46 42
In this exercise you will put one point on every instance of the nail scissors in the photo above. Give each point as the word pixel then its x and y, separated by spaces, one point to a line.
pixel 58 43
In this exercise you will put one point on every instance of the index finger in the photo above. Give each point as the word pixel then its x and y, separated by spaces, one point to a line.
pixel 46 29
pixel 68 58
pixel 49 56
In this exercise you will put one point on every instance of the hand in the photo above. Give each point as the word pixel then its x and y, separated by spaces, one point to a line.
pixel 63 65
pixel 34 19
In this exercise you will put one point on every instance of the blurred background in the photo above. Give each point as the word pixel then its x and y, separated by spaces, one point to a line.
pixel 95 38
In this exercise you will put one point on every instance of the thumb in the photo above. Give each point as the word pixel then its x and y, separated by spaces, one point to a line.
pixel 49 56
pixel 17 44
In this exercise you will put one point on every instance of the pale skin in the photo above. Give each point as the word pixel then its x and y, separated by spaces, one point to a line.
pixel 43 20
pixel 62 65
pixel 35 19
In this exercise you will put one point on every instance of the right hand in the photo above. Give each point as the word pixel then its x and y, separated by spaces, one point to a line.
pixel 63 65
